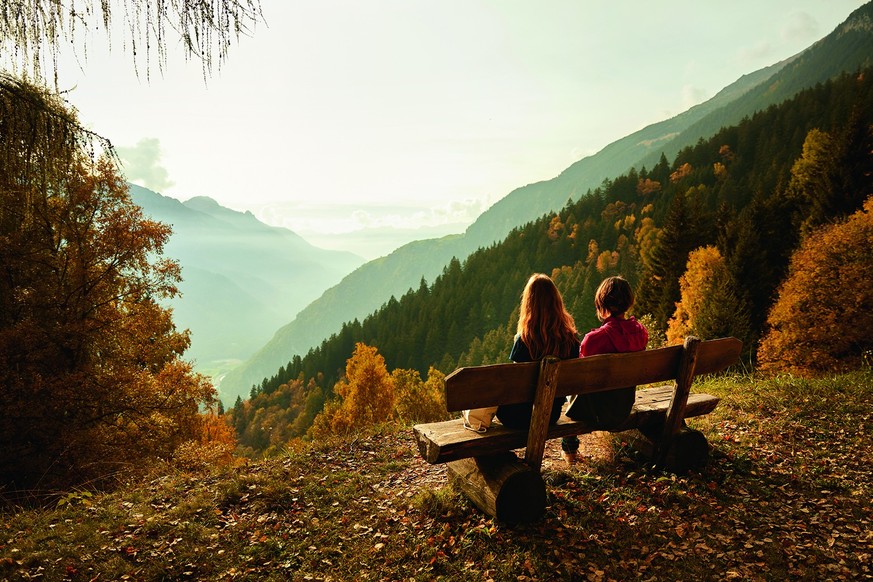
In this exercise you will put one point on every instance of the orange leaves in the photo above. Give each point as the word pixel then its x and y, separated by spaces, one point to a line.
pixel 703 266
pixel 683 171
pixel 709 307
pixel 365 395
pixel 556 227
pixel 648 186
pixel 89 358
pixel 607 260
pixel 822 318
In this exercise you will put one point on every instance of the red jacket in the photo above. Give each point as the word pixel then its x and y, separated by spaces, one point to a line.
pixel 615 335
pixel 608 410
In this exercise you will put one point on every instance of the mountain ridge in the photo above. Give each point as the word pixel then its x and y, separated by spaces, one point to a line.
pixel 240 276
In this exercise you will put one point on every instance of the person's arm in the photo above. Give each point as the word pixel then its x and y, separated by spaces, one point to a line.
pixel 519 352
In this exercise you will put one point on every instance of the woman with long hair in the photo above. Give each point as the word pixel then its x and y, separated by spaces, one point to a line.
pixel 545 328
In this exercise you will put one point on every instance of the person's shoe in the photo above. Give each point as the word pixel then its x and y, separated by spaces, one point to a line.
pixel 569 458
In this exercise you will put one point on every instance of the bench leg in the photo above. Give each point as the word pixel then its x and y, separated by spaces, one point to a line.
pixel 502 486
pixel 688 448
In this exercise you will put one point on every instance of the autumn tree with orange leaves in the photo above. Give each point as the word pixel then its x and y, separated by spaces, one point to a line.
pixel 92 384
pixel 369 394
pixel 364 395
pixel 822 319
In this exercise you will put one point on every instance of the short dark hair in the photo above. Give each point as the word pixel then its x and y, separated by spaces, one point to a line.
pixel 614 296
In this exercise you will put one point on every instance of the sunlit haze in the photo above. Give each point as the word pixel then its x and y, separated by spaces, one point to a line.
pixel 365 125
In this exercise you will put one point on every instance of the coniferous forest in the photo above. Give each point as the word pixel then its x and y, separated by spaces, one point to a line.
pixel 749 196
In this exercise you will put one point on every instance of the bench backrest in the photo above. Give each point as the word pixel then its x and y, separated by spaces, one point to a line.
pixel 542 381
pixel 480 386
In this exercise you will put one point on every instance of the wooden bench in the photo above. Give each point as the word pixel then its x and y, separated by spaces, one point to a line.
pixel 511 490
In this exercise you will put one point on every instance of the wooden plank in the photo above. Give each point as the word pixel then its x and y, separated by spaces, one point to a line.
pixel 439 442
pixel 714 356
pixel 542 411
pixel 676 410
pixel 610 371
pixel 479 386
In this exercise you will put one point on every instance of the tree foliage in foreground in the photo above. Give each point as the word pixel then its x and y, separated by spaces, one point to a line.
pixel 33 31
pixel 91 377
pixel 823 317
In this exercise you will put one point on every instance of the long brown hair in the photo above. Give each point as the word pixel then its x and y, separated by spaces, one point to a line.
pixel 544 324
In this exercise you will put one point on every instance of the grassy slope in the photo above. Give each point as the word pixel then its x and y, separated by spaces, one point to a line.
pixel 786 494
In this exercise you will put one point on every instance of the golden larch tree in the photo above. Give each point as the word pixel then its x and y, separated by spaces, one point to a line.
pixel 364 396
pixel 708 307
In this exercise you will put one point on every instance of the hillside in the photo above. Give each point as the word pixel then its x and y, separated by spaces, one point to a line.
pixel 784 496
pixel 729 193
pixel 240 276
pixel 849 47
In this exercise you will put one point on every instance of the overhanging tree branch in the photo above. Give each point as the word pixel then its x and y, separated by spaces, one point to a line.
pixel 32 31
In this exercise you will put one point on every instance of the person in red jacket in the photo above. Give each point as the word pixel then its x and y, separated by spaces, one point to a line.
pixel 619 333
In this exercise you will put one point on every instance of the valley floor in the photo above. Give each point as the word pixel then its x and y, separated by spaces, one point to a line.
pixel 786 495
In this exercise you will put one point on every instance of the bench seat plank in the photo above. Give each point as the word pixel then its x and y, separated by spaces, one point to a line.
pixel 439 442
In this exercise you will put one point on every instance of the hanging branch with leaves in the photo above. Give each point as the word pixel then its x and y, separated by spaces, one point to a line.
pixel 33 31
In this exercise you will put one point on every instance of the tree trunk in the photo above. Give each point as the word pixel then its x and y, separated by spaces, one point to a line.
pixel 502 486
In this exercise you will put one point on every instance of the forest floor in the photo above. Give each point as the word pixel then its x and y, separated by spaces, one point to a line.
pixel 785 495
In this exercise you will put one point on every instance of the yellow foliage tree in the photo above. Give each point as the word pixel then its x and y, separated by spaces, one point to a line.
pixel 556 227
pixel 708 307
pixel 607 260
pixel 646 236
pixel 822 318
pixel 683 171
pixel 417 400
pixel 648 186
pixel 365 395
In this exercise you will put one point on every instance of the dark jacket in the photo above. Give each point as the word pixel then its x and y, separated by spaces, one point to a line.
pixel 518 415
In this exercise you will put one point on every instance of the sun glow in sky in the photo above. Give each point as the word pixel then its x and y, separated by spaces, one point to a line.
pixel 362 125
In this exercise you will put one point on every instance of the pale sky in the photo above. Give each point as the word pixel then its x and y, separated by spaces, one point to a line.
pixel 348 120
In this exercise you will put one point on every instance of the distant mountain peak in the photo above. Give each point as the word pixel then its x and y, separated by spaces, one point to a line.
pixel 202 202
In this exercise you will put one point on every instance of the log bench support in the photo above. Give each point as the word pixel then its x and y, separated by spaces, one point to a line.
pixel 501 485
pixel 512 490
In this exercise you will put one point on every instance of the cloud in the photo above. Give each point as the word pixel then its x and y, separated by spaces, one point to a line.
pixel 371 230
pixel 691 96
pixel 343 218
pixel 142 165
pixel 800 27
pixel 757 53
